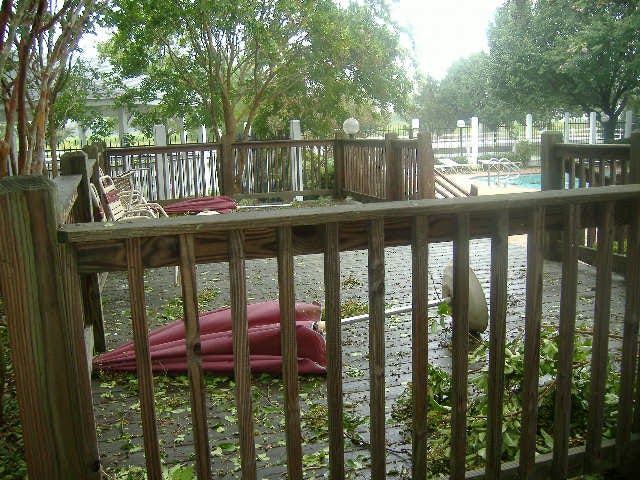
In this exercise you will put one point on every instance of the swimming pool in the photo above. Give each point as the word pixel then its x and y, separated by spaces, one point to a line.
pixel 524 180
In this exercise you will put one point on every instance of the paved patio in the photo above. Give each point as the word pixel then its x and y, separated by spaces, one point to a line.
pixel 116 402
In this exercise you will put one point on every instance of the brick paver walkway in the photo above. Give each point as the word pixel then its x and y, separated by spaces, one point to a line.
pixel 262 285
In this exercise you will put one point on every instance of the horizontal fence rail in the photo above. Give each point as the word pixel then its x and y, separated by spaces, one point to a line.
pixel 236 238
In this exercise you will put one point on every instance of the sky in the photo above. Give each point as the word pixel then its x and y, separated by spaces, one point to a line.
pixel 445 30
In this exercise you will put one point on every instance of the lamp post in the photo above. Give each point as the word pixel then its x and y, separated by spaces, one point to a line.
pixel 351 127
pixel 460 124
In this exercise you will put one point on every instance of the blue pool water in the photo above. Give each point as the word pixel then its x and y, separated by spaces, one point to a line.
pixel 525 180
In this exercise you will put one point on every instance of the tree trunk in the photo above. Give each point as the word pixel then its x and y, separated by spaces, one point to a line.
pixel 24 167
pixel 5 158
pixel 53 144
pixel 37 134
pixel 609 130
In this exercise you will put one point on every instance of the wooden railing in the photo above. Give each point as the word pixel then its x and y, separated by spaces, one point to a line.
pixel 369 169
pixel 263 169
pixel 170 172
pixel 447 188
pixel 43 297
pixel 390 169
pixel 44 308
pixel 292 167
pixel 569 166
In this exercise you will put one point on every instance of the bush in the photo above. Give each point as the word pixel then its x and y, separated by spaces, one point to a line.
pixel 12 464
pixel 523 151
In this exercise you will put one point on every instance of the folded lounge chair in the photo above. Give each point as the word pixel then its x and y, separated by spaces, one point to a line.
pixel 448 165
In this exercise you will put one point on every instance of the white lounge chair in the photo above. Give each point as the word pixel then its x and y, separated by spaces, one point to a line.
pixel 121 205
pixel 449 166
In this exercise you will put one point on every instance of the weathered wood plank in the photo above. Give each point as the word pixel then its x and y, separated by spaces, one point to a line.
pixel 241 364
pixel 66 195
pixel 394 174
pixel 334 351
pixel 194 360
pixel 543 465
pixel 286 297
pixel 634 159
pixel 41 299
pixel 568 297
pixel 601 151
pixel 438 209
pixel 76 163
pixel 460 341
pixel 533 314
pixel 552 171
pixel 419 345
pixel 103 251
pixel 497 335
pixel 143 359
pixel 599 351
pixel 629 346
pixel 377 349
pixel 588 255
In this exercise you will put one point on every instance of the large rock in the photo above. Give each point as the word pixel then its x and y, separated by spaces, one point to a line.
pixel 478 311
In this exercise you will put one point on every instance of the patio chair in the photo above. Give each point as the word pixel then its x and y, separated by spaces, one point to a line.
pixel 121 205
pixel 449 166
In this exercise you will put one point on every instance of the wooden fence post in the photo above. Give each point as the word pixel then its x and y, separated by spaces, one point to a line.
pixel 552 179
pixel 44 311
pixel 634 158
pixel 226 187
pixel 394 184
pixel 552 174
pixel 426 163
pixel 76 163
pixel 338 168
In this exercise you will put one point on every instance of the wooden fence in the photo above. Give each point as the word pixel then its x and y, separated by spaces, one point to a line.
pixel 389 169
pixel 369 169
pixel 44 309
pixel 569 166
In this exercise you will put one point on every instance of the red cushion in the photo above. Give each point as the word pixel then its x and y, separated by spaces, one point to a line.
pixel 220 204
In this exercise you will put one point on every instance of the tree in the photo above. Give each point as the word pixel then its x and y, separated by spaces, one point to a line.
pixel 36 39
pixel 576 55
pixel 232 64
pixel 465 91
pixel 68 99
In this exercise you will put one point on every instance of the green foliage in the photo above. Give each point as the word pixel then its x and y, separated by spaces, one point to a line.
pixel 174 309
pixel 524 151
pixel 12 464
pixel 71 98
pixel 222 63
pixel 581 55
pixel 440 403
pixel 351 308
pixel 172 398
pixel 101 128
pixel 465 91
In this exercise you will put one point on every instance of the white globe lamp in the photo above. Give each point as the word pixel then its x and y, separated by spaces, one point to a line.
pixel 351 126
